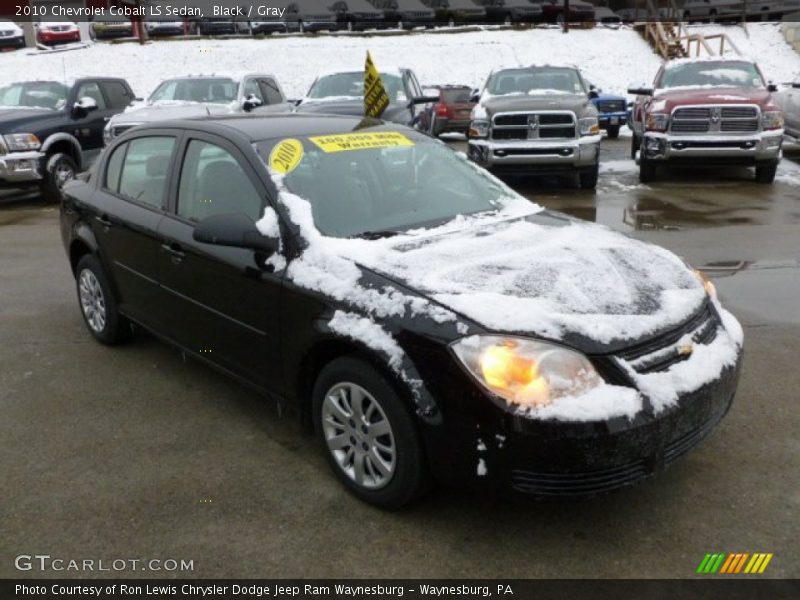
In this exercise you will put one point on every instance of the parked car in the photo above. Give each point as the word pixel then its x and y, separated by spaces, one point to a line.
pixel 788 99
pixel 164 27
pixel 612 111
pixel 109 26
pixel 707 113
pixel 50 130
pixel 554 11
pixel 405 14
pixel 11 35
pixel 451 113
pixel 536 120
pixel 51 33
pixel 457 12
pixel 198 96
pixel 343 94
pixel 215 27
pixel 632 15
pixel 512 11
pixel 357 15
pixel 606 16
pixel 309 15
pixel 326 262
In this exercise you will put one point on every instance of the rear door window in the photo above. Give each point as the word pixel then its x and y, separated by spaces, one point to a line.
pixel 143 176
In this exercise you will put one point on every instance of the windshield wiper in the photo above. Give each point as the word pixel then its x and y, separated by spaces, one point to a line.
pixel 377 234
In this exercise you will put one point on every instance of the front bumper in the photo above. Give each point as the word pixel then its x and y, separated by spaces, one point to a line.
pixel 12 42
pixel 444 124
pixel 612 119
pixel 20 168
pixel 541 156
pixel 727 150
pixel 59 37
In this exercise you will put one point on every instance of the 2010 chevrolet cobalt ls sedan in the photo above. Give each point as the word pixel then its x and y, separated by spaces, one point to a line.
pixel 430 322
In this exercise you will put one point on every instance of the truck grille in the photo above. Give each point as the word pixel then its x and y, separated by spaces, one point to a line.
pixel 671 348
pixel 533 126
pixel 611 105
pixel 715 119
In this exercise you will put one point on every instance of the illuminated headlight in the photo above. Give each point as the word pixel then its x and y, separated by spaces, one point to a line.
pixel 526 372
pixel 772 119
pixel 708 285
pixel 19 142
pixel 589 126
pixel 479 129
pixel 657 122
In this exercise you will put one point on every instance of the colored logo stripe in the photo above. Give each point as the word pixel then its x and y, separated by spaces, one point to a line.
pixel 734 563
pixel 758 563
pixel 711 563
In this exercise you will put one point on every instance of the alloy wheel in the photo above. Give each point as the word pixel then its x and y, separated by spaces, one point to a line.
pixel 93 301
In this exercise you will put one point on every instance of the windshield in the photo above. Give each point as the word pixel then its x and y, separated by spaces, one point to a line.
pixel 396 182
pixel 538 80
pixel 351 85
pixel 34 94
pixel 214 91
pixel 712 73
pixel 455 94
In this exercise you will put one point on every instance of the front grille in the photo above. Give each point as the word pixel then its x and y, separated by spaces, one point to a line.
pixel 534 126
pixel 671 348
pixel 578 484
pixel 715 119
pixel 611 105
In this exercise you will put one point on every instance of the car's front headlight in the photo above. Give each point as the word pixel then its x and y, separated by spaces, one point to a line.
pixel 526 372
pixel 657 122
pixel 20 142
pixel 589 126
pixel 772 119
pixel 478 129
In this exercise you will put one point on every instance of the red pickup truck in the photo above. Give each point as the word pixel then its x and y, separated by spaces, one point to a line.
pixel 705 113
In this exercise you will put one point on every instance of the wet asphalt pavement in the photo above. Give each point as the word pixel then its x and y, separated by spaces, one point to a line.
pixel 133 453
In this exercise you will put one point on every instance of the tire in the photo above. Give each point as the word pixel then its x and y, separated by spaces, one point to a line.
pixel 647 169
pixel 98 304
pixel 59 169
pixel 588 179
pixel 766 173
pixel 635 144
pixel 613 131
pixel 403 476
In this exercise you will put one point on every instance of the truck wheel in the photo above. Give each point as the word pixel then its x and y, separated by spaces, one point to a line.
pixel 766 173
pixel 588 179
pixel 647 169
pixel 635 144
pixel 613 131
pixel 97 302
pixel 59 169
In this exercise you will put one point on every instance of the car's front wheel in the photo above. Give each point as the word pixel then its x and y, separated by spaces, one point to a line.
pixel 647 169
pixel 368 435
pixel 613 131
pixel 97 302
pixel 766 173
pixel 588 179
pixel 59 169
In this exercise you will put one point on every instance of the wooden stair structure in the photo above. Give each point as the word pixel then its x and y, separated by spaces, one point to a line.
pixel 664 29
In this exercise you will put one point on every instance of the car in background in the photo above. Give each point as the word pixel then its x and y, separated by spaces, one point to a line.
pixel 612 111
pixel 11 35
pixel 202 95
pixel 606 16
pixel 50 33
pixel 51 130
pixel 709 9
pixel 164 27
pixel 451 113
pixel 554 11
pixel 511 11
pixel 707 113
pixel 537 120
pixel 788 99
pixel 428 322
pixel 308 15
pixel 215 27
pixel 357 15
pixel 632 15
pixel 343 94
pixel 405 14
pixel 109 26
pixel 457 12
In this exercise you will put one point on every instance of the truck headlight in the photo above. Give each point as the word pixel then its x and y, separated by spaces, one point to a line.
pixel 772 119
pixel 526 372
pixel 20 142
pixel 589 126
pixel 478 129
pixel 657 122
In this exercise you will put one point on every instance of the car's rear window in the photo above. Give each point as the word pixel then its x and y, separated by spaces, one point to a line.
pixel 455 95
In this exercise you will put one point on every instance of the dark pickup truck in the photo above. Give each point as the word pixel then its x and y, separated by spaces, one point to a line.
pixel 51 130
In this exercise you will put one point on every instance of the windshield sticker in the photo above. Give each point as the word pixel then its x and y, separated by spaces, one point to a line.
pixel 360 141
pixel 286 155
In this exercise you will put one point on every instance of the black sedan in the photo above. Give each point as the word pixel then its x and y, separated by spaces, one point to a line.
pixel 431 323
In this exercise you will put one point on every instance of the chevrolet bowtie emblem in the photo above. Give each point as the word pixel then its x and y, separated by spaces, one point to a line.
pixel 686 349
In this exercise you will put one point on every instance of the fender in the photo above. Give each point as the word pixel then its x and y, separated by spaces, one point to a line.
pixel 81 232
pixel 65 137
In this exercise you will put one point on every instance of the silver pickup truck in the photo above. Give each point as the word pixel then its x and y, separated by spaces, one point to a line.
pixel 536 120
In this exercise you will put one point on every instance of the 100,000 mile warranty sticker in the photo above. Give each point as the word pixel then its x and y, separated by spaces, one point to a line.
pixel 360 141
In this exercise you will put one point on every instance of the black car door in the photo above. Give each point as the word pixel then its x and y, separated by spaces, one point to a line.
pixel 220 303
pixel 87 126
pixel 127 209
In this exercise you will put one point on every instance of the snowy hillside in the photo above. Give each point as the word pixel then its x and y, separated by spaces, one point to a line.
pixel 609 58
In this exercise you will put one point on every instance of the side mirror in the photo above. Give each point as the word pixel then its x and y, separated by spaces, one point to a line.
pixel 234 229
pixel 796 85
pixel 475 98
pixel 423 100
pixel 640 91
pixel 251 102
pixel 771 87
pixel 83 106
pixel 593 92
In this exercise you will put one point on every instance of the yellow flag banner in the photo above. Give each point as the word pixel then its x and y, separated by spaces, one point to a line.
pixel 375 97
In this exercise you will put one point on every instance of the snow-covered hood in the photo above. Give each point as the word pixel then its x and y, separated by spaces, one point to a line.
pixel 578 103
pixel 665 100
pixel 546 275
pixel 167 111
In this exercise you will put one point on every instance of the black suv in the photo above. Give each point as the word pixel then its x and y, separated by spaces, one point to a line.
pixel 50 130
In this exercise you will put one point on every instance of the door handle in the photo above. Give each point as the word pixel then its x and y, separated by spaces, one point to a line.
pixel 104 221
pixel 175 251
